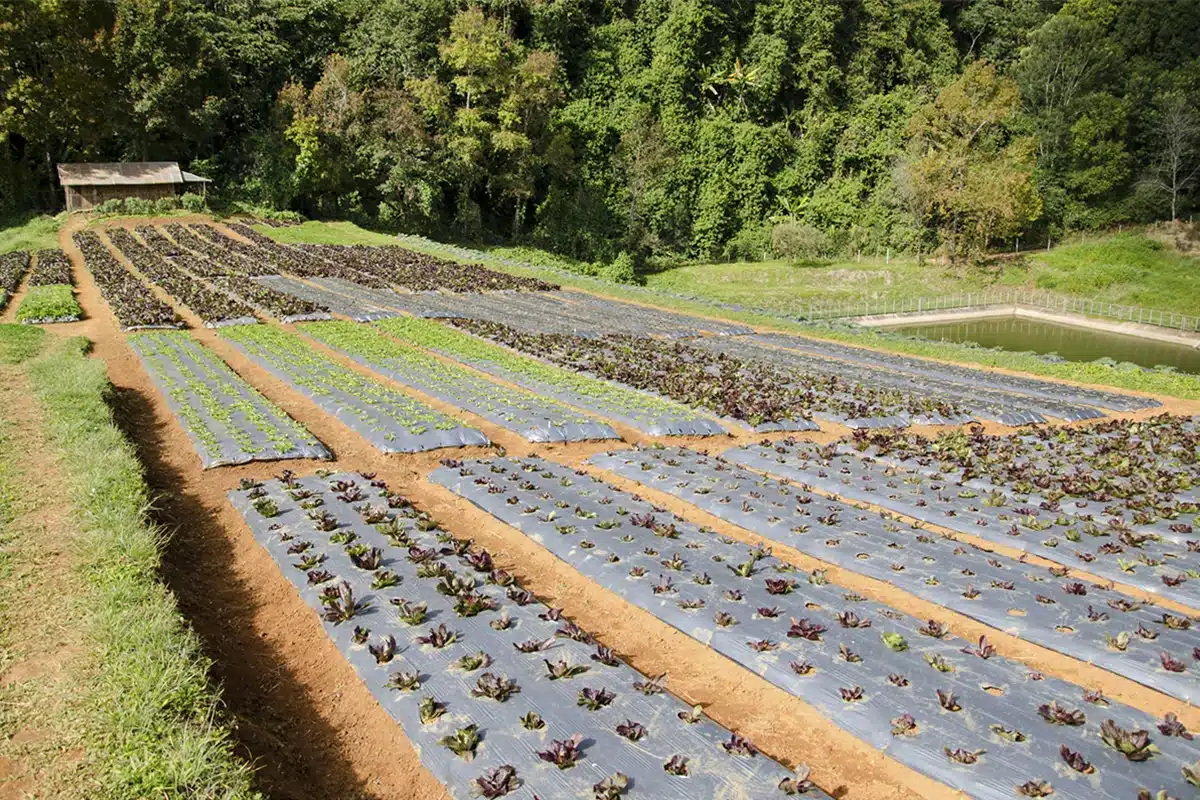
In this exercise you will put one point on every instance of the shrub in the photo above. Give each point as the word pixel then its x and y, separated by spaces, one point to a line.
pixel 114 206
pixel 621 269
pixel 138 206
pixel 795 240
pixel 192 201
pixel 164 205
pixel 752 243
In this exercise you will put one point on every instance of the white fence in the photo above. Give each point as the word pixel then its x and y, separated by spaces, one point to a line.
pixel 982 300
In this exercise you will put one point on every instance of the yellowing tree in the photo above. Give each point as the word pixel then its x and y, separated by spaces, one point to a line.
pixel 971 176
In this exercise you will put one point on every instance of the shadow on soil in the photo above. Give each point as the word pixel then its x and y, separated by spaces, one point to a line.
pixel 278 729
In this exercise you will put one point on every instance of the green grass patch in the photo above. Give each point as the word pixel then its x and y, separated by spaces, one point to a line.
pixel 314 232
pixel 150 718
pixel 20 342
pixel 55 302
pixel 32 233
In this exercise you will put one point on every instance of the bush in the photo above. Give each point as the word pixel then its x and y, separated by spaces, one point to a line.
pixel 621 269
pixel 751 243
pixel 139 206
pixel 192 201
pixel 113 206
pixel 164 205
pixel 796 241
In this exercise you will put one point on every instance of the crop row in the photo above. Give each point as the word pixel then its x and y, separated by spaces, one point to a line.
pixel 754 392
pixel 212 307
pixel 131 302
pixel 226 261
pixel 296 261
pixel 388 419
pixel 640 410
pixel 1005 407
pixel 52 268
pixel 501 695
pixel 535 418
pixel 49 304
pixel 12 269
pixel 423 273
pixel 186 259
pixel 228 421
pixel 952 709
pixel 958 375
pixel 1073 534
pixel 1049 607
pixel 337 302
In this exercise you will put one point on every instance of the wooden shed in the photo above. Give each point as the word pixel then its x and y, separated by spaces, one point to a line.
pixel 88 185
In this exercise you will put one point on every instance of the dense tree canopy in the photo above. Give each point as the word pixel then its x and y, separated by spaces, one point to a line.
pixel 599 126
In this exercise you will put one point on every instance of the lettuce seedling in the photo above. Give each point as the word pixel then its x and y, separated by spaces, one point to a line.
pixel 800 784
pixel 563 753
pixel 1134 745
pixel 677 765
pixel 497 782
pixel 562 670
pixel 344 606
pixel 739 745
pixel 1075 760
pixel 430 710
pixel 532 722
pixel 1035 789
pixel 438 637
pixel 611 788
pixel 463 742
pixel 633 731
pixel 496 687
pixel 594 699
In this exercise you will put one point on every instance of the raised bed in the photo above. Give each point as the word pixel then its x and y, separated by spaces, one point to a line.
pixel 984 402
pixel 131 301
pixel 639 410
pixel 962 375
pixel 337 302
pixel 536 419
pixel 459 654
pixel 420 272
pixel 215 309
pixel 49 296
pixel 752 391
pixel 1101 626
pixel 226 419
pixel 12 268
pixel 971 720
pixel 1068 533
pixel 390 420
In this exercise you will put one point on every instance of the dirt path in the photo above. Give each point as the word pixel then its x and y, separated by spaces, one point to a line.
pixel 39 662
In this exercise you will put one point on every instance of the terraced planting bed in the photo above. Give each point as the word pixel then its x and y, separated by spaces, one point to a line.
pixel 49 293
pixel 1095 533
pixel 639 410
pixel 755 392
pixel 226 419
pixel 13 267
pixel 418 272
pixel 534 418
pixel 952 709
pixel 503 696
pixel 982 401
pixel 390 420
pixel 215 309
pixel 131 301
pixel 1090 622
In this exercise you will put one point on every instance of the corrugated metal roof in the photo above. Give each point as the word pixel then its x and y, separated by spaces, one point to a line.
pixel 189 177
pixel 120 174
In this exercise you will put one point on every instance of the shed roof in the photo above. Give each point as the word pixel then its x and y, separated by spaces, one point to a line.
pixel 120 174
pixel 190 177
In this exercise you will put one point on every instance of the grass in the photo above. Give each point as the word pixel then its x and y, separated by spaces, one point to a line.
pixel 19 343
pixel 55 302
pixel 313 232
pixel 32 233
pixel 150 721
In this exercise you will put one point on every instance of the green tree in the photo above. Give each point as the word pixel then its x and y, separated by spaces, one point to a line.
pixel 974 178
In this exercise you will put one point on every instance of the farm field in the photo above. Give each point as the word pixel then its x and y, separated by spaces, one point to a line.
pixel 442 531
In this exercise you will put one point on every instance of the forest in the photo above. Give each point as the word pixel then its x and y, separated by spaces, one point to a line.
pixel 697 128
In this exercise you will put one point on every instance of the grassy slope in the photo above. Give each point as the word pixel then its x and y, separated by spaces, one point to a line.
pixel 1185 386
pixel 34 233
pixel 1129 269
pixel 149 720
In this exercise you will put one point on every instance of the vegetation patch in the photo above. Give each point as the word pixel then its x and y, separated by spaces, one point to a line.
pixel 54 303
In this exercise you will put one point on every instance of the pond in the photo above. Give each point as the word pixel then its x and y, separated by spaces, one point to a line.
pixel 1069 341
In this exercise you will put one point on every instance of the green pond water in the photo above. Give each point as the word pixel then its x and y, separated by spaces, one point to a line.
pixel 1071 342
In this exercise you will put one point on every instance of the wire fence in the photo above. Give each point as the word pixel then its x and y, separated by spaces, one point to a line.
pixel 983 300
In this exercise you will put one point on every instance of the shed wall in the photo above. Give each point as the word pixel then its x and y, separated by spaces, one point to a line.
pixel 83 198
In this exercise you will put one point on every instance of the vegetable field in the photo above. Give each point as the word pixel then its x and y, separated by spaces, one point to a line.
pixel 49 294
pixel 708 561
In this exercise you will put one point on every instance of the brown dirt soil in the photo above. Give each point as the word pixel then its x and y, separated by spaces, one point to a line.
pixel 303 716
